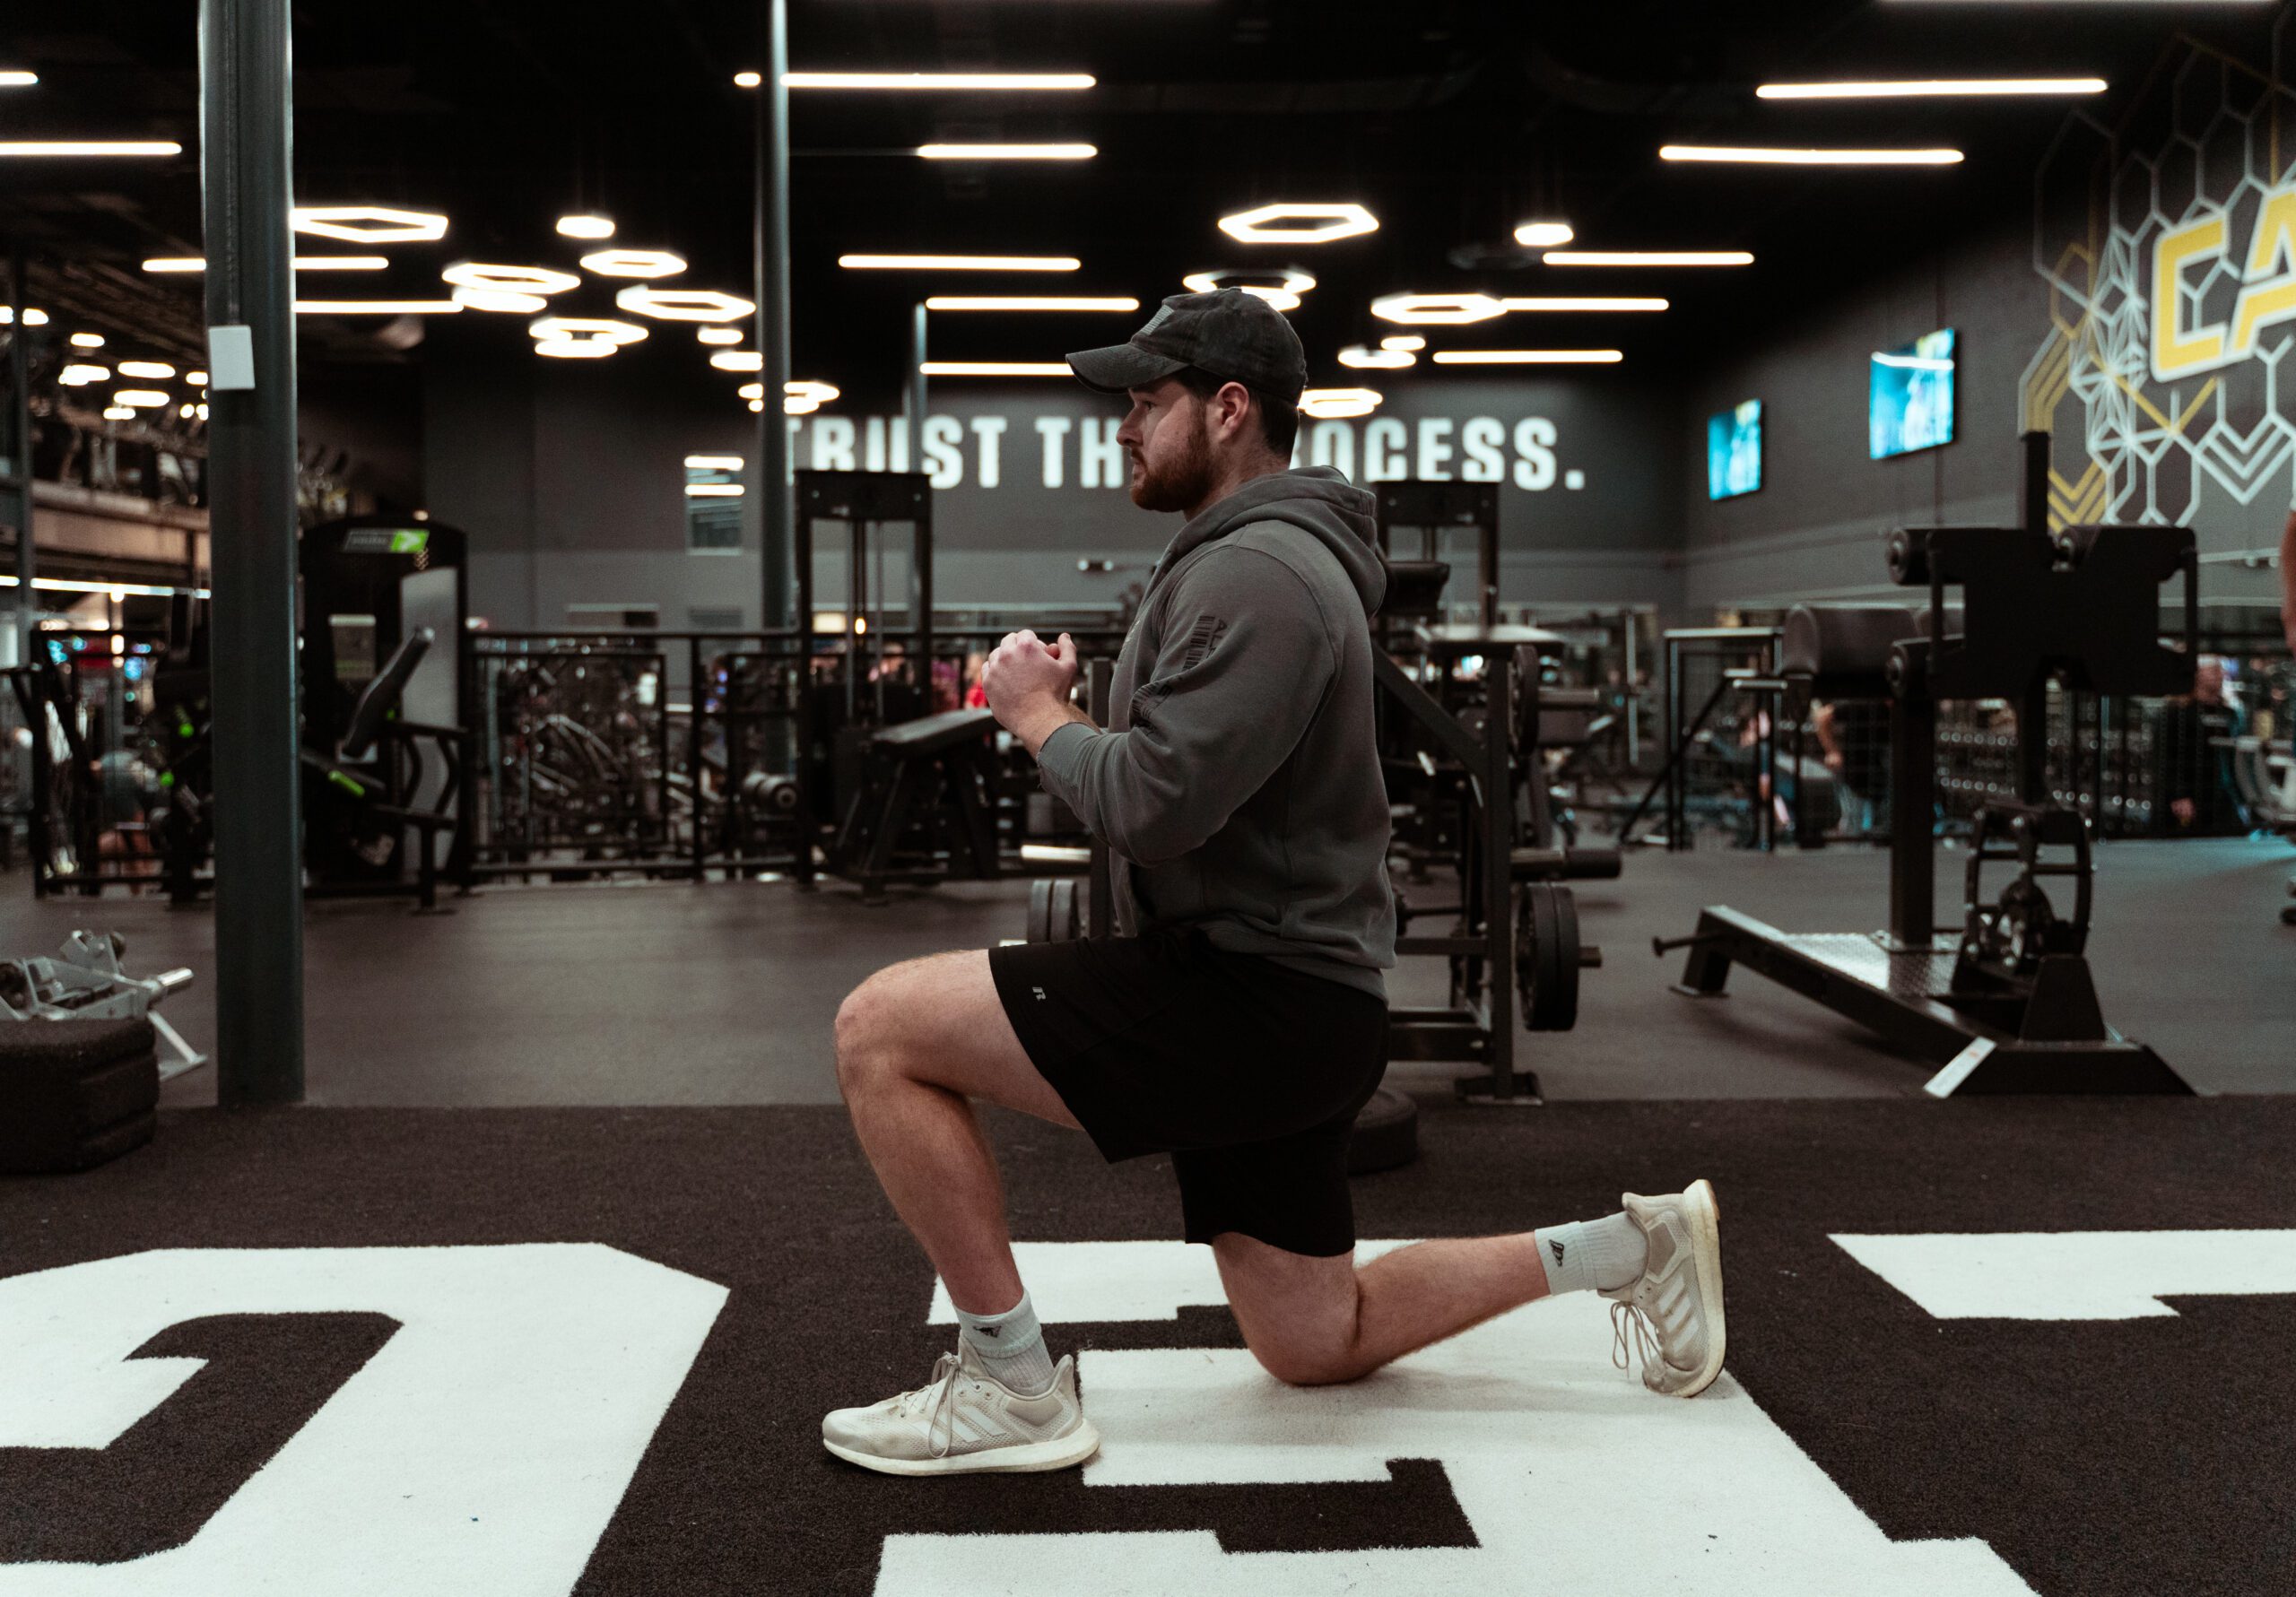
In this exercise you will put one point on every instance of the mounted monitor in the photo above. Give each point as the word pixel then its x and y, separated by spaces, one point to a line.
pixel 1733 451
pixel 1912 387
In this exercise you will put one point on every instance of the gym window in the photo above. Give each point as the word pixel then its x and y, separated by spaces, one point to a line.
pixel 713 504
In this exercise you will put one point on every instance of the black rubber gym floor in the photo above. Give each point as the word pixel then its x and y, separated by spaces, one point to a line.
pixel 724 993
pixel 2048 1352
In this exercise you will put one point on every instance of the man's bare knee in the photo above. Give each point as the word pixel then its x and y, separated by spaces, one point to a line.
pixel 1297 1364
pixel 864 1043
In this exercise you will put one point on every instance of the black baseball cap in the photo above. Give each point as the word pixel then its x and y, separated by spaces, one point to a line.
pixel 1228 332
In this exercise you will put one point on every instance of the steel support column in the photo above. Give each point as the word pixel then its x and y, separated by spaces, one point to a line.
pixel 771 481
pixel 20 454
pixel 246 161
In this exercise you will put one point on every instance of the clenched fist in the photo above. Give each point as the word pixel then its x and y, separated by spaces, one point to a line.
pixel 1023 680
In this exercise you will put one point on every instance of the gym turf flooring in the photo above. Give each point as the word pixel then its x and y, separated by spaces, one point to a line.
pixel 548 1288
pixel 2004 1402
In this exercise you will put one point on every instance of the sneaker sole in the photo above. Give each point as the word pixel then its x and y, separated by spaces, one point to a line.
pixel 1705 1216
pixel 1059 1453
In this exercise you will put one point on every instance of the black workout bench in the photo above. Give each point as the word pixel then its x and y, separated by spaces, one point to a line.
pixel 938 773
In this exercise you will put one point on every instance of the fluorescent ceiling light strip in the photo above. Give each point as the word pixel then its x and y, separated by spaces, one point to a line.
pixel 74 585
pixel 994 369
pixel 1733 154
pixel 1023 81
pixel 1932 86
pixel 1596 302
pixel 38 147
pixel 714 462
pixel 304 263
pixel 1647 258
pixel 376 307
pixel 1027 302
pixel 582 226
pixel 1007 151
pixel 13 79
pixel 713 491
pixel 146 368
pixel 1528 357
pixel 1914 362
pixel 960 263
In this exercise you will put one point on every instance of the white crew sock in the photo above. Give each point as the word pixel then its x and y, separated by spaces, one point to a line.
pixel 1012 1345
pixel 1594 1254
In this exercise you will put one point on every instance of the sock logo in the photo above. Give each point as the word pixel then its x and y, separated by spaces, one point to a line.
pixel 988 1329
pixel 1554 1246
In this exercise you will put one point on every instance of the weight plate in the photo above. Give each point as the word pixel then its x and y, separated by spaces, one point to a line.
pixel 1067 910
pixel 1040 910
pixel 1546 957
pixel 1386 1134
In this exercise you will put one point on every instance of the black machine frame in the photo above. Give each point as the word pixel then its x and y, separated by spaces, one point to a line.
pixel 2003 1004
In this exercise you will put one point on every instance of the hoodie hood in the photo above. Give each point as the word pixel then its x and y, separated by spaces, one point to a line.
pixel 1317 499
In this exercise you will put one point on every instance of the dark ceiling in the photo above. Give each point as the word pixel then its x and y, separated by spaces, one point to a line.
pixel 1452 121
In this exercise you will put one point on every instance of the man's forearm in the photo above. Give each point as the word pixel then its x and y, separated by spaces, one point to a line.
pixel 1040 720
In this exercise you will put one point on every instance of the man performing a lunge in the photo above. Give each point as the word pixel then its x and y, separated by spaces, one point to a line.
pixel 1238 1021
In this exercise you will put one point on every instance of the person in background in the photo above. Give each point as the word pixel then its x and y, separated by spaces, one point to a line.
pixel 1854 735
pixel 2288 581
pixel 2200 800
pixel 976 696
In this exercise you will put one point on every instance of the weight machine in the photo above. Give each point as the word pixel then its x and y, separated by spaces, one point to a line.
pixel 2005 1003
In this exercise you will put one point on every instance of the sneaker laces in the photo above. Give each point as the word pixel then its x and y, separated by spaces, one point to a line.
pixel 941 1392
pixel 1646 1348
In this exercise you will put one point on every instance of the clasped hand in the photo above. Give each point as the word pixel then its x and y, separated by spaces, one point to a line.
pixel 1022 676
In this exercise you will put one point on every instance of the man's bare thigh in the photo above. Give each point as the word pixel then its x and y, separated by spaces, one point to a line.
pixel 942 1014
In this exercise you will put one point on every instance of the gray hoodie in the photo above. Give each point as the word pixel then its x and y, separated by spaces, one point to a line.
pixel 1239 776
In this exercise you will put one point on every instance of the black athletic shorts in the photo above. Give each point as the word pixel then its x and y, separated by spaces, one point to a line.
pixel 1247 1073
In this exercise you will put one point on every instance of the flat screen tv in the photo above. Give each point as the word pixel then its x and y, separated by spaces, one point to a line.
pixel 1733 451
pixel 1912 389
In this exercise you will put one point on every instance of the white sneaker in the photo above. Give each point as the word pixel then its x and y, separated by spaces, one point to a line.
pixel 963 1420
pixel 1675 1310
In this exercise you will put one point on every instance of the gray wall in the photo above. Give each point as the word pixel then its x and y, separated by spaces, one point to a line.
pixel 569 480
pixel 1815 529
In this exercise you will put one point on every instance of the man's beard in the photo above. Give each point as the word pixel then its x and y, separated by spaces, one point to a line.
pixel 1181 484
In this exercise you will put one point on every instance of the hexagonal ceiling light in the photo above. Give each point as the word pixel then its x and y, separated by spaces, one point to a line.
pixel 1436 311
pixel 581 337
pixel 634 263
pixel 510 289
pixel 370 224
pixel 1279 286
pixel 1261 224
pixel 685 305
pixel 514 280
pixel 1337 403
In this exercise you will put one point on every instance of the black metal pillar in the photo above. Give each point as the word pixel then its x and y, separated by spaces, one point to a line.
pixel 245 165
pixel 920 576
pixel 915 388
pixel 20 454
pixel 775 510
pixel 1913 844
pixel 2032 708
